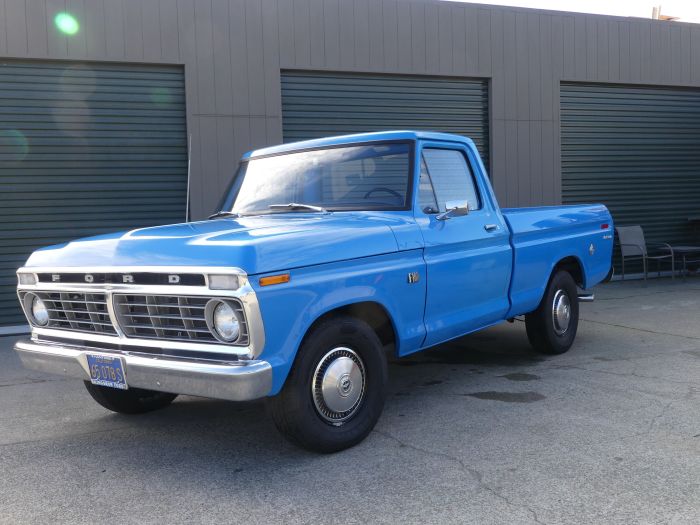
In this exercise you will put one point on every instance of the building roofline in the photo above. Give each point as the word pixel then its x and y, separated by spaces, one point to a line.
pixel 553 12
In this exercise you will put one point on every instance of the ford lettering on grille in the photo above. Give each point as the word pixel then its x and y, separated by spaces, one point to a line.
pixel 124 278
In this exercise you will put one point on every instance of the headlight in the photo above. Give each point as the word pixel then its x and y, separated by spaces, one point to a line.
pixel 223 320
pixel 226 323
pixel 37 309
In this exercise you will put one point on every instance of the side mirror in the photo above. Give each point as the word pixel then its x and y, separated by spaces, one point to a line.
pixel 454 209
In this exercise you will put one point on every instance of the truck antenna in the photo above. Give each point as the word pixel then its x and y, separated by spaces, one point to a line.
pixel 189 164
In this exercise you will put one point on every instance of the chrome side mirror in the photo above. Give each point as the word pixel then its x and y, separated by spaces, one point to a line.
pixel 454 209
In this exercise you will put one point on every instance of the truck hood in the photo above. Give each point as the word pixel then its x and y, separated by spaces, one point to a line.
pixel 257 244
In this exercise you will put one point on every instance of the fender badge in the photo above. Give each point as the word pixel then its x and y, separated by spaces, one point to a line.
pixel 591 249
pixel 413 277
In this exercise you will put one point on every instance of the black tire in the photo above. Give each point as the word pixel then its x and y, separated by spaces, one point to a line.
pixel 298 409
pixel 132 401
pixel 610 274
pixel 543 329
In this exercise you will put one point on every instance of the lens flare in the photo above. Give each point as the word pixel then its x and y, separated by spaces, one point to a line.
pixel 14 144
pixel 161 95
pixel 66 23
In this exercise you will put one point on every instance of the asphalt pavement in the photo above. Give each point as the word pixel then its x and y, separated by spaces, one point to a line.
pixel 481 430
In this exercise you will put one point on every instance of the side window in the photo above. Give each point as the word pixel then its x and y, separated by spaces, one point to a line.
pixel 426 194
pixel 451 176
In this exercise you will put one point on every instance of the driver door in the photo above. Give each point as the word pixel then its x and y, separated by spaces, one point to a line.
pixel 468 257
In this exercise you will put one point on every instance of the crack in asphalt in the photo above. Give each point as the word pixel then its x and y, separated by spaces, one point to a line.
pixel 633 373
pixel 646 330
pixel 72 435
pixel 661 292
pixel 658 416
pixel 630 359
pixel 477 475
pixel 34 381
pixel 651 423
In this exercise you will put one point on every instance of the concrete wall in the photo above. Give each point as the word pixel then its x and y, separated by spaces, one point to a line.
pixel 233 51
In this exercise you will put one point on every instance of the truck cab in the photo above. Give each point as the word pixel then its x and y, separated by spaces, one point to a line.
pixel 323 256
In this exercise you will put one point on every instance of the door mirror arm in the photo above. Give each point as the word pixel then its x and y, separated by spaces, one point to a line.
pixel 454 210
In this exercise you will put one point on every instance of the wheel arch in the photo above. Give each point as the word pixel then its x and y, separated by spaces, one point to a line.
pixel 574 267
pixel 373 313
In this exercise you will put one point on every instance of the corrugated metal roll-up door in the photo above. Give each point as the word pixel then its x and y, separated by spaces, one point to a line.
pixel 637 150
pixel 85 149
pixel 320 104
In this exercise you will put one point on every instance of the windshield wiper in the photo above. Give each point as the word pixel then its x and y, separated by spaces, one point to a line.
pixel 298 206
pixel 220 214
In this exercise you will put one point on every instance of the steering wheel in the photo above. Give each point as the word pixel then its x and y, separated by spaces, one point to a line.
pixel 385 190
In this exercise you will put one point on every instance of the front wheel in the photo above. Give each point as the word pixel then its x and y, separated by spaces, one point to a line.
pixel 551 328
pixel 336 389
pixel 131 401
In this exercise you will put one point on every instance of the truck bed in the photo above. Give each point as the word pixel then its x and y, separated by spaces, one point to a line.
pixel 542 236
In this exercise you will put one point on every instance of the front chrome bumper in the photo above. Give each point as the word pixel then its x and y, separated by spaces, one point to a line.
pixel 236 380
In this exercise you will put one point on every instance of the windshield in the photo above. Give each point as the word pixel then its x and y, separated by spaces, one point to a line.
pixel 370 177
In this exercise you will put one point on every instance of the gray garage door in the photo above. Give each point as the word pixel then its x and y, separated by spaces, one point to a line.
pixel 322 104
pixel 85 149
pixel 636 149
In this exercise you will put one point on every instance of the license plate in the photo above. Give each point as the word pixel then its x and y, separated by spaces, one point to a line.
pixel 107 371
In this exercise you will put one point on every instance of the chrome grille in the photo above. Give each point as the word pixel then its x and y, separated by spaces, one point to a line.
pixel 84 312
pixel 175 318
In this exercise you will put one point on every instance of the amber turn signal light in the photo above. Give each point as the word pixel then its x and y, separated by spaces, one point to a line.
pixel 274 279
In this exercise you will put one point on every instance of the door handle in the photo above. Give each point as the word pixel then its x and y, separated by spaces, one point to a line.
pixel 490 227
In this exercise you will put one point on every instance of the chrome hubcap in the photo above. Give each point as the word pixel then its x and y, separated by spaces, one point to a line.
pixel 338 385
pixel 561 312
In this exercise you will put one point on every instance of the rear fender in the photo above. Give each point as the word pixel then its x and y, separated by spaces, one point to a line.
pixel 544 237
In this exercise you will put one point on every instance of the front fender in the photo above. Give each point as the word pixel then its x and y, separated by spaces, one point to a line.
pixel 288 310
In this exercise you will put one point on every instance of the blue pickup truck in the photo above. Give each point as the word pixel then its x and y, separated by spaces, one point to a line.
pixel 324 256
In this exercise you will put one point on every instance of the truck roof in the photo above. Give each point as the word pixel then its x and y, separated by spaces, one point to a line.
pixel 379 136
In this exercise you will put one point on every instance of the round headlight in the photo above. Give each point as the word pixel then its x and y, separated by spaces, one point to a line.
pixel 226 322
pixel 39 311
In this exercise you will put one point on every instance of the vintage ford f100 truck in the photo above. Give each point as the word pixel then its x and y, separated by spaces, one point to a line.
pixel 324 256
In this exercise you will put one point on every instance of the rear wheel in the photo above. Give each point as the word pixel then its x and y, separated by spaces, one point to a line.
pixel 552 328
pixel 335 391
pixel 131 401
